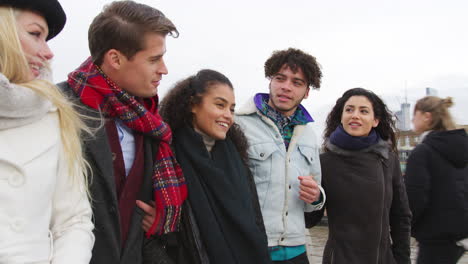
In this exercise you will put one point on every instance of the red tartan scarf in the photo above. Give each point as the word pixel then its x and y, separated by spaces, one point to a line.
pixel 99 92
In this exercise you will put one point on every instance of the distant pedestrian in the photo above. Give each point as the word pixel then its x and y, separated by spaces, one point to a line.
pixel 367 207
pixel 437 183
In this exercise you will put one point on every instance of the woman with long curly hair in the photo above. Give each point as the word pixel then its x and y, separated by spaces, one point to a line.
pixel 367 207
pixel 221 221
pixel 437 183
pixel 45 213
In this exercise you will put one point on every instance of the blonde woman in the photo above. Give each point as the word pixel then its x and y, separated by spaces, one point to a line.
pixel 45 214
pixel 437 183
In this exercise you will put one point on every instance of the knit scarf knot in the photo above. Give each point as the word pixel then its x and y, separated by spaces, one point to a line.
pixel 141 115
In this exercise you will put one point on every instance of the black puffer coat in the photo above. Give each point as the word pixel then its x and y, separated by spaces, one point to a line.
pixel 368 212
pixel 437 186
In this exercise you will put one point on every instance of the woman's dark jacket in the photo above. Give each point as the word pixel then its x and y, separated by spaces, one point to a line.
pixel 221 220
pixel 437 186
pixel 367 208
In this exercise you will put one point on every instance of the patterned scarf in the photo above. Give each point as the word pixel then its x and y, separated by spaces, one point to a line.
pixel 284 124
pixel 99 92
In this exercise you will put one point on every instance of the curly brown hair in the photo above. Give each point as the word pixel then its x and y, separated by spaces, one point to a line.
pixel 176 107
pixel 295 59
pixel 385 128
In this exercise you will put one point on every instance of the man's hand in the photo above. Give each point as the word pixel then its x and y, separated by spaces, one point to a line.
pixel 150 213
pixel 309 190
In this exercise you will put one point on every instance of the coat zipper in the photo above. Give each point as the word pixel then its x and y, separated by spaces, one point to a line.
pixel 383 209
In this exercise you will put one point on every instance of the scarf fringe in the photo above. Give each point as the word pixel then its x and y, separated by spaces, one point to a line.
pixel 166 221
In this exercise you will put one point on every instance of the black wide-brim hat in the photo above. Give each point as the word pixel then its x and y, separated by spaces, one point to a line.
pixel 50 9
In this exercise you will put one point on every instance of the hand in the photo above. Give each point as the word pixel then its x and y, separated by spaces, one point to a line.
pixel 150 213
pixel 309 190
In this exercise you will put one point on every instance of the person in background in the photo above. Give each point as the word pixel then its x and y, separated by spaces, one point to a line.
pixel 283 152
pixel 367 207
pixel 437 183
pixel 222 219
pixel 45 214
pixel 130 156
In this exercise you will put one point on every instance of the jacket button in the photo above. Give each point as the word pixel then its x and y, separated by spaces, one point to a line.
pixel 262 155
pixel 16 179
pixel 17 225
pixel 289 186
pixel 112 210
pixel 113 156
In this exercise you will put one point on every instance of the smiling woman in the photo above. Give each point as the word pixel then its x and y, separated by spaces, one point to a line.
pixel 358 117
pixel 222 212
pixel 363 182
pixel 213 116
pixel 32 33
pixel 41 159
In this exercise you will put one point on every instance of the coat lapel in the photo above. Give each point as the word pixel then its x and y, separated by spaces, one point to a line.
pixel 96 146
pixel 135 232
pixel 99 150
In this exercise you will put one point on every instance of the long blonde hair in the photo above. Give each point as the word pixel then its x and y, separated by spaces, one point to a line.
pixel 441 118
pixel 14 65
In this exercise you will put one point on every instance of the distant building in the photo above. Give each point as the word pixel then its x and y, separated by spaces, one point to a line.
pixel 403 117
pixel 431 91
pixel 407 140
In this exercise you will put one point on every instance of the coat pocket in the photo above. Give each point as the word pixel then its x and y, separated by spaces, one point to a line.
pixel 262 163
pixel 306 161
pixel 261 160
pixel 307 153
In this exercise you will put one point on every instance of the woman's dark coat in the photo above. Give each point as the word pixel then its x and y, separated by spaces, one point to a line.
pixel 239 234
pixel 367 208
pixel 437 186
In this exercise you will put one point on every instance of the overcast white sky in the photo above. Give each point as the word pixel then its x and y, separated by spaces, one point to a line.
pixel 392 47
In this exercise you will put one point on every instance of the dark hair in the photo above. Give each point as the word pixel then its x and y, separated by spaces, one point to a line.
pixel 386 126
pixel 295 59
pixel 176 106
pixel 123 25
pixel 438 107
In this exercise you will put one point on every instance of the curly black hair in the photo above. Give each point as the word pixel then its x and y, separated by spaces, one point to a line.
pixel 385 128
pixel 295 59
pixel 176 106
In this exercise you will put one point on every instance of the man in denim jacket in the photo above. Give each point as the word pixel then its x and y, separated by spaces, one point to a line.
pixel 284 153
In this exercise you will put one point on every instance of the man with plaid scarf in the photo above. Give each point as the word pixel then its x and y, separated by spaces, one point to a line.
pixel 129 156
